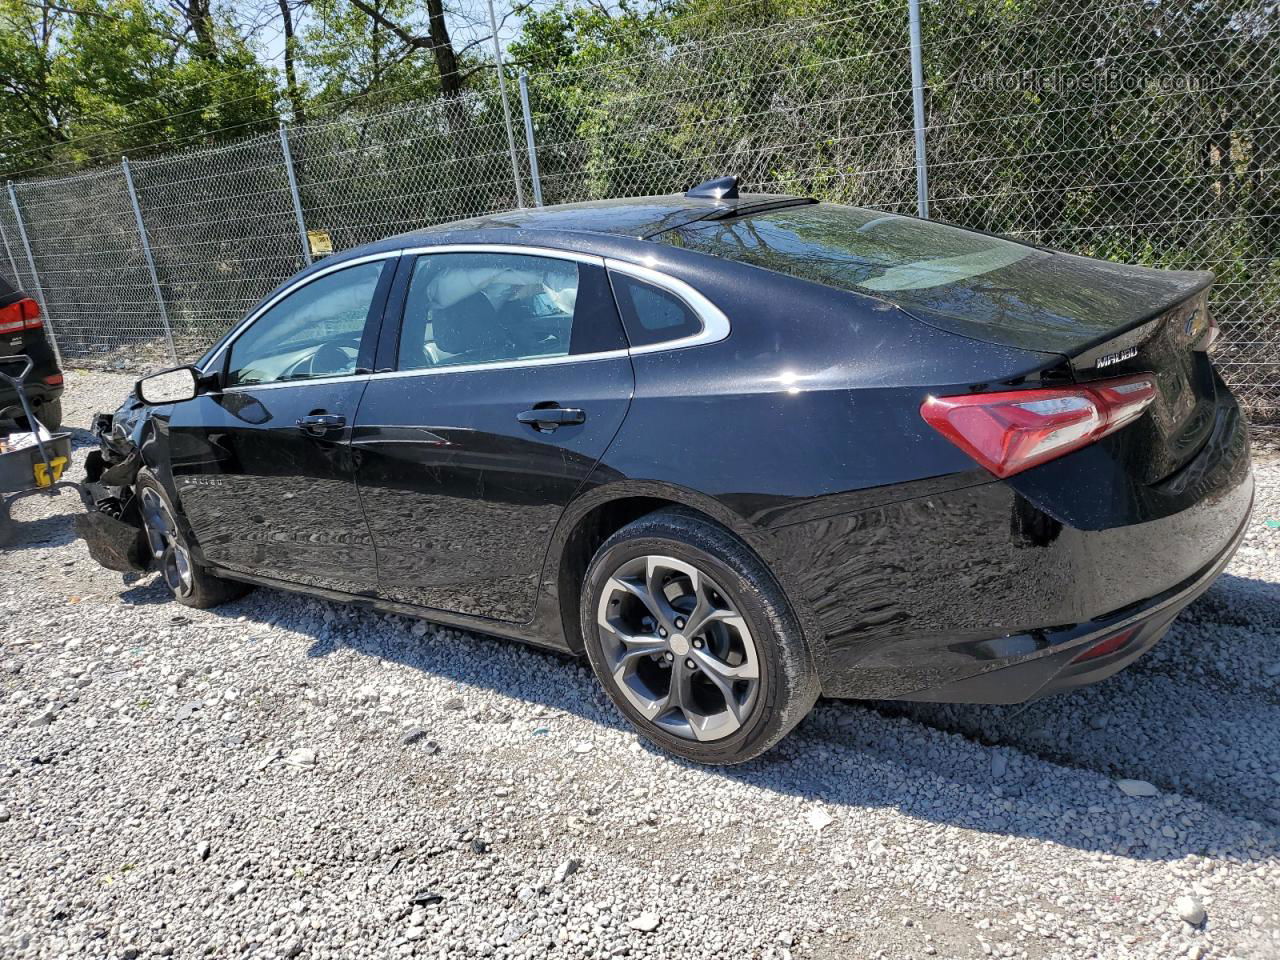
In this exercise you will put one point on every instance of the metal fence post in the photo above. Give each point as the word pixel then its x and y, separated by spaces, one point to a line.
pixel 293 191
pixel 506 107
pixel 528 138
pixel 8 252
pixel 35 274
pixel 146 253
pixel 917 98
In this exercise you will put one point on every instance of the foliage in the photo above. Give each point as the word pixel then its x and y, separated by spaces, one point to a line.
pixel 348 55
pixel 1141 132
pixel 115 75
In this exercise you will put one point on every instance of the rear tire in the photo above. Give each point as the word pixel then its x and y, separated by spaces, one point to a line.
pixel 170 541
pixel 693 639
pixel 50 414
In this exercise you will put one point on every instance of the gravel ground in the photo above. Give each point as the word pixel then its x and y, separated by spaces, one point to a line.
pixel 287 777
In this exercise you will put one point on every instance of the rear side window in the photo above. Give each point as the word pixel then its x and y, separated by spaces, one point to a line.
pixel 651 315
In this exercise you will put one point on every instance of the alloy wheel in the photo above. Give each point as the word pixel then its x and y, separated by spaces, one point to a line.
pixel 677 648
pixel 167 546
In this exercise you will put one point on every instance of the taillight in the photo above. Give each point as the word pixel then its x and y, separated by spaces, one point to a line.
pixel 54 380
pixel 23 315
pixel 1200 328
pixel 1210 335
pixel 1014 430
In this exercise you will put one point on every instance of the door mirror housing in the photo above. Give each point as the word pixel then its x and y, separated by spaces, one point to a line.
pixel 169 386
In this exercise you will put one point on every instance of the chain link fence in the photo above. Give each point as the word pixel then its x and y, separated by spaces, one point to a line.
pixel 222 232
pixel 1142 132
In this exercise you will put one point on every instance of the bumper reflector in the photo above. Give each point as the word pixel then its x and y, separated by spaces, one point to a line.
pixel 1103 647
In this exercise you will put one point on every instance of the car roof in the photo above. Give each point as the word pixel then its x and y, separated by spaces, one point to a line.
pixel 635 217
pixel 589 226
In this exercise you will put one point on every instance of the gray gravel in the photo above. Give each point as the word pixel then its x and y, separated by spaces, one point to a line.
pixel 285 777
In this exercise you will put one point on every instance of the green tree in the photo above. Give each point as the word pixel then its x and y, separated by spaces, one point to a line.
pixel 350 54
pixel 87 82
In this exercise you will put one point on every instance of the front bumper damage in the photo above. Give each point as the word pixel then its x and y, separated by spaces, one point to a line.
pixel 112 529
pixel 114 543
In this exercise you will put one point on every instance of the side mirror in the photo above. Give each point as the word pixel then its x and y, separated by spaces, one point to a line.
pixel 169 386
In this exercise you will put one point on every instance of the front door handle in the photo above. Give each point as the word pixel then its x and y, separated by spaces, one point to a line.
pixel 547 419
pixel 318 424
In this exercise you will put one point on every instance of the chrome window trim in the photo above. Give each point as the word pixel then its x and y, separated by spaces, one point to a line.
pixel 715 325
pixel 497 365
pixel 514 248
pixel 300 382
pixel 250 320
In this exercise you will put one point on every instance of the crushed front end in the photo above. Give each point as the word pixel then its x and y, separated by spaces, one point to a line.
pixel 113 529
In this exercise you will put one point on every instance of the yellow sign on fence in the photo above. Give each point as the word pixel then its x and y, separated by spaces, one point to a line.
pixel 321 242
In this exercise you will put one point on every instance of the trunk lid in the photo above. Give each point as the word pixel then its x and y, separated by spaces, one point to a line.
pixel 1107 320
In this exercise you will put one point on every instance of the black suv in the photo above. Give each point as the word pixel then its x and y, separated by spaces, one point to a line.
pixel 22 332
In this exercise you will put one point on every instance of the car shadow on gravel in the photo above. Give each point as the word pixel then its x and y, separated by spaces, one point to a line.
pixel 1180 719
pixel 145 590
pixel 1198 716
pixel 55 530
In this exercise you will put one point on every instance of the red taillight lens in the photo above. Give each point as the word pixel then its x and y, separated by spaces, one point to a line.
pixel 54 380
pixel 1011 431
pixel 23 315
pixel 1104 647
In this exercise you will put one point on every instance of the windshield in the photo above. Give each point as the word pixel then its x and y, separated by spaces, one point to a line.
pixel 852 248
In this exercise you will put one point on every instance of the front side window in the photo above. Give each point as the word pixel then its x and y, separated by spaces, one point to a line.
pixel 479 308
pixel 313 332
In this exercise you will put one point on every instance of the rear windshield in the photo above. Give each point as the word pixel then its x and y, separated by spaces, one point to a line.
pixel 852 248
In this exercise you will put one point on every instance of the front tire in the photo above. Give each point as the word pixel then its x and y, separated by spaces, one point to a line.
pixel 693 639
pixel 169 540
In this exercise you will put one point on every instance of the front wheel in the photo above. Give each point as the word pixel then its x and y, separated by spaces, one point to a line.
pixel 694 640
pixel 167 538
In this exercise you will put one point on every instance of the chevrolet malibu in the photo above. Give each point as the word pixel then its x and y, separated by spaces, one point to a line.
pixel 739 450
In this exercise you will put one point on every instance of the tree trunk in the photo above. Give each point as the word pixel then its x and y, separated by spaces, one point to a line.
pixel 442 50
pixel 294 92
pixel 200 18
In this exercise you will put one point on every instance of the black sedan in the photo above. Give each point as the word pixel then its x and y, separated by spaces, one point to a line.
pixel 740 451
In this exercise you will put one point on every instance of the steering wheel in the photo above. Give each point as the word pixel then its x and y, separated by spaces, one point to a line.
pixel 330 358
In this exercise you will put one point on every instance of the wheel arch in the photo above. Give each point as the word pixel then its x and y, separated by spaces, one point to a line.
pixel 601 512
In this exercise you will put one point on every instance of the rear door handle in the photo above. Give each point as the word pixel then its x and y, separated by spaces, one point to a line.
pixel 318 424
pixel 547 419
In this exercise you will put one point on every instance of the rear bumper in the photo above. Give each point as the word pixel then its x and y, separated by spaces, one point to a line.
pixel 1064 662
pixel 37 393
pixel 982 594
